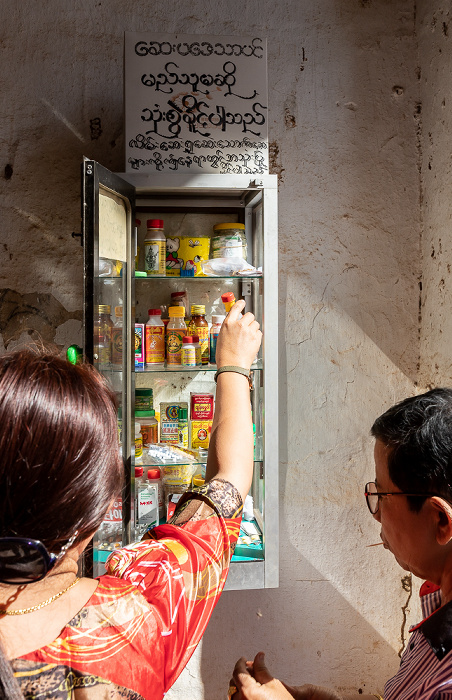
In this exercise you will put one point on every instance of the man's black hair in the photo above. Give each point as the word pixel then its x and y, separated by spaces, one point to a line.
pixel 418 433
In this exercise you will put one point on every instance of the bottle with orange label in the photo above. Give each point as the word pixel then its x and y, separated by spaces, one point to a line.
pixel 199 326
pixel 155 338
pixel 175 332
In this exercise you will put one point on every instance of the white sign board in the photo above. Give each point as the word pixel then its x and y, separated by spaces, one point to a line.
pixel 195 104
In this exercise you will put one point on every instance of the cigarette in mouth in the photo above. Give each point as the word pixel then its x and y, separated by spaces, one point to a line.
pixel 374 545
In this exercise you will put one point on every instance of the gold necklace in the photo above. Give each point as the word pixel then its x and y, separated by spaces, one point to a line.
pixel 41 605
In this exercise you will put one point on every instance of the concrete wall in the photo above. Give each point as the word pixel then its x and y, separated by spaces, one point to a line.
pixel 434 33
pixel 345 129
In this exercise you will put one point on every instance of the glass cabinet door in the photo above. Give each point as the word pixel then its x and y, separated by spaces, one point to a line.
pixel 107 218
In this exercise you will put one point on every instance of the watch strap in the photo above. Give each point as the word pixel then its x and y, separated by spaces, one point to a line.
pixel 238 370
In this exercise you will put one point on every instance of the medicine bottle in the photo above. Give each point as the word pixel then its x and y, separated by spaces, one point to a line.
pixel 188 351
pixel 155 338
pixel 197 345
pixel 102 334
pixel 228 241
pixel 199 326
pixel 217 320
pixel 175 331
pixel 155 479
pixel 149 428
pixel 155 248
pixel 182 427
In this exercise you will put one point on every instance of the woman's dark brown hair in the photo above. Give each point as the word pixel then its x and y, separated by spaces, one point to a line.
pixel 59 461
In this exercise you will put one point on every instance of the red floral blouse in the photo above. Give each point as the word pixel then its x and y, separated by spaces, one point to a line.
pixel 140 627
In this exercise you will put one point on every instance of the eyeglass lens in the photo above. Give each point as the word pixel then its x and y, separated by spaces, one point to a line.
pixel 372 497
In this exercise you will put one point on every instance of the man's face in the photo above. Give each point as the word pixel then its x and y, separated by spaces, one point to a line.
pixel 409 535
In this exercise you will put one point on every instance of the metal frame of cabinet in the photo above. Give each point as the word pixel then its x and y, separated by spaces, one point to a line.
pixel 255 204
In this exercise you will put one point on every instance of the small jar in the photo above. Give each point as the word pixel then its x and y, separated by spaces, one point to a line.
pixel 188 351
pixel 228 241
pixel 102 334
pixel 149 427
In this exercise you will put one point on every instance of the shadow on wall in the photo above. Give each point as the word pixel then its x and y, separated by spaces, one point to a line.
pixel 242 620
pixel 37 315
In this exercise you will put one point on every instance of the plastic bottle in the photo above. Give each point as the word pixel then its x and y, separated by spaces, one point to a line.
pixel 155 479
pixel 147 507
pixel 199 326
pixel 175 331
pixel 217 320
pixel 155 248
pixel 228 300
pixel 197 345
pixel 138 444
pixel 182 427
pixel 148 427
pixel 102 334
pixel 188 351
pixel 155 338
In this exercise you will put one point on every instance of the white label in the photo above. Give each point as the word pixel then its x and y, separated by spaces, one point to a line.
pixel 148 507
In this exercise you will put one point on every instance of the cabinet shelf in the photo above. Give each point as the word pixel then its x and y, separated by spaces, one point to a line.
pixel 257 366
pixel 175 278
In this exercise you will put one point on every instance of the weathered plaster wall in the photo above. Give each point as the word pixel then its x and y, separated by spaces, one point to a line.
pixel 434 29
pixel 344 127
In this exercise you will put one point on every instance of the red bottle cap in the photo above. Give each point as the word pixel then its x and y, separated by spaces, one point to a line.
pixel 153 473
pixel 187 339
pixel 195 338
pixel 229 296
pixel 154 312
pixel 138 471
pixel 154 223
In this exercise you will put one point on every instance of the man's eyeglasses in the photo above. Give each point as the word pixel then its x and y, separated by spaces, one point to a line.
pixel 23 560
pixel 373 496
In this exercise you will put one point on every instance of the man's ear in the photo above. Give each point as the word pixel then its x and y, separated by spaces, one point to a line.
pixel 444 519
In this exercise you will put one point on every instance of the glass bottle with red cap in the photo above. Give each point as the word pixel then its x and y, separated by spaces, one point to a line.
pixel 155 249
pixel 155 338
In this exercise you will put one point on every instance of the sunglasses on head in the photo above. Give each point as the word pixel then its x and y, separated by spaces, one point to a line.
pixel 23 560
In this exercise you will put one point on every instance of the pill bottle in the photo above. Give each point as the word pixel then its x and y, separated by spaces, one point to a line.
pixel 197 345
pixel 188 351
pixel 149 428
pixel 199 326
pixel 138 444
pixel 155 479
pixel 175 331
pixel 155 248
pixel 217 320
pixel 155 338
pixel 228 241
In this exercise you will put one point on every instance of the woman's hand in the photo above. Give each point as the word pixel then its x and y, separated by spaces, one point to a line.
pixel 239 339
pixel 254 682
